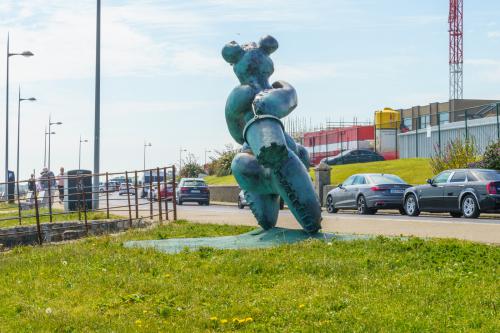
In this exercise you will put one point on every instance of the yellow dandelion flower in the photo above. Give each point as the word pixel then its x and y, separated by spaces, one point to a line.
pixel 145 311
pixel 301 306
pixel 223 321
pixel 235 320
pixel 213 318
pixel 138 322
pixel 248 319
pixel 168 275
pixel 241 321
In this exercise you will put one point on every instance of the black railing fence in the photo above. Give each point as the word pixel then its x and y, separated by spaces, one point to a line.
pixel 126 196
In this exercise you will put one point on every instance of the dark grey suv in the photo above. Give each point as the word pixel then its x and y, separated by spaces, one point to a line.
pixel 461 192
pixel 368 193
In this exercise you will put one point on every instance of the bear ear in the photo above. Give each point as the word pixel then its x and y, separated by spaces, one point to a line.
pixel 232 52
pixel 268 44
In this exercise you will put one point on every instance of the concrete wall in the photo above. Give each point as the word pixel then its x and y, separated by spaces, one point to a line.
pixel 224 193
pixel 56 232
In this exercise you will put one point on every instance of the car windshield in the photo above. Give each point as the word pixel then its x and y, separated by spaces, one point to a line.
pixel 194 183
pixel 489 175
pixel 386 179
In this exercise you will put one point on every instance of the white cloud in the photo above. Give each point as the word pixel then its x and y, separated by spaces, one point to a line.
pixel 494 34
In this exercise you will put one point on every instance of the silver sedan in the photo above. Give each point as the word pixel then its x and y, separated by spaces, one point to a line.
pixel 367 193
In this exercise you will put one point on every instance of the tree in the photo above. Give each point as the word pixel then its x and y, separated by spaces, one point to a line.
pixel 491 157
pixel 190 167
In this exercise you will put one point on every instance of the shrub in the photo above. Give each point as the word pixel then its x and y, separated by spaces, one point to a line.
pixel 221 165
pixel 190 168
pixel 491 157
pixel 456 154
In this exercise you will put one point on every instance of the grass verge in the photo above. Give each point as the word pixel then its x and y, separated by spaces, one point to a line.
pixel 382 284
pixel 412 170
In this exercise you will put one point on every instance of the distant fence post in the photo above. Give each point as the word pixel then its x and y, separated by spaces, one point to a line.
pixel 498 122
pixel 136 199
pixel 106 190
pixel 128 200
pixel 49 181
pixel 174 199
pixel 82 189
pixel 165 185
pixel 158 192
pixel 18 202
pixel 466 127
pixel 37 216
pixel 151 193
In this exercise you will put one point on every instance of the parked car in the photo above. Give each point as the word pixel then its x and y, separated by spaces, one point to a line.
pixel 164 193
pixel 460 192
pixel 368 193
pixel 123 189
pixel 193 190
pixel 353 156
pixel 242 202
pixel 108 187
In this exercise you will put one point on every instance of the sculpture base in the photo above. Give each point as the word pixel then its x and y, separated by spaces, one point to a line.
pixel 255 239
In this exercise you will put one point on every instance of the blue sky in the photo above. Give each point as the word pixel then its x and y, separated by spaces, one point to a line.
pixel 163 79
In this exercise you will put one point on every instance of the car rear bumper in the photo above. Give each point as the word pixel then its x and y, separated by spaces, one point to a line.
pixel 490 204
pixel 194 197
pixel 385 202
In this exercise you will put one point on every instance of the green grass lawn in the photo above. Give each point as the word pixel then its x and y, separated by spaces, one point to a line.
pixel 226 180
pixel 13 221
pixel 412 170
pixel 97 285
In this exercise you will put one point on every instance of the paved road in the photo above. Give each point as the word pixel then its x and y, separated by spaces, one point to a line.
pixel 485 229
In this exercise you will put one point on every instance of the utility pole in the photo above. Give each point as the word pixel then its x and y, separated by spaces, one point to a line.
pixel 97 121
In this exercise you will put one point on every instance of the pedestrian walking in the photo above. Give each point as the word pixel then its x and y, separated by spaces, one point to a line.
pixel 32 183
pixel 60 184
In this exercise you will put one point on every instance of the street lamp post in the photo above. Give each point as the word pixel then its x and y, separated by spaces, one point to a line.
pixel 146 145
pixel 45 147
pixel 19 100
pixel 50 134
pixel 9 54
pixel 80 152
pixel 180 158
pixel 205 165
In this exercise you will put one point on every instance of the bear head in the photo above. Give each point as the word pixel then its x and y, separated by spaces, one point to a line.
pixel 251 62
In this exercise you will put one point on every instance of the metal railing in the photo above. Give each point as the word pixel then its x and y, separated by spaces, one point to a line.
pixel 126 196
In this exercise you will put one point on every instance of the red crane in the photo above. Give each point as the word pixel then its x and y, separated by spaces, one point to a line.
pixel 456 30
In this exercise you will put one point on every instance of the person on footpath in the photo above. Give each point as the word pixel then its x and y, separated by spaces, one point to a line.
pixel 32 183
pixel 60 184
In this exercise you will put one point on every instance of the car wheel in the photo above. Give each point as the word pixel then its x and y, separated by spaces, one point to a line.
pixel 456 214
pixel 411 206
pixel 402 211
pixel 362 208
pixel 240 205
pixel 201 203
pixel 470 207
pixel 330 206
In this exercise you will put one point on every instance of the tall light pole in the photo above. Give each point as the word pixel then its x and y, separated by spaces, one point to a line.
pixel 19 100
pixel 205 165
pixel 80 152
pixel 97 116
pixel 9 54
pixel 180 158
pixel 50 134
pixel 45 147
pixel 146 145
